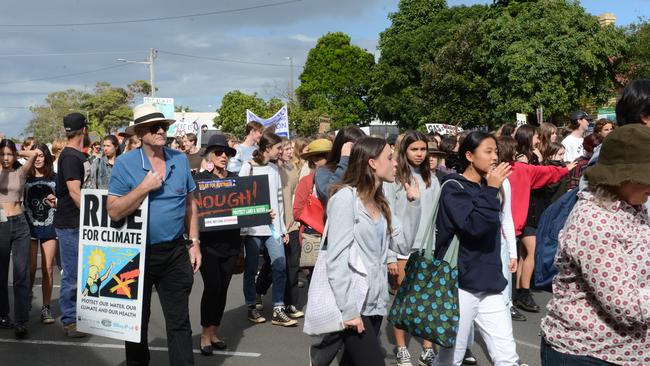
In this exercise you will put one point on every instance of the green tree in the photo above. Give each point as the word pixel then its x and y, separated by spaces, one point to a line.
pixel 636 62
pixel 182 108
pixel 232 113
pixel 548 53
pixel 46 124
pixel 336 79
pixel 419 30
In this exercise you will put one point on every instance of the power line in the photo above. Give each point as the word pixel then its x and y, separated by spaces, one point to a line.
pixel 12 107
pixel 224 59
pixel 68 54
pixel 63 76
pixel 143 20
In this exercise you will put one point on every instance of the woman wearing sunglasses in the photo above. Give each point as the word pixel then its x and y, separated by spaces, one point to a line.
pixel 219 250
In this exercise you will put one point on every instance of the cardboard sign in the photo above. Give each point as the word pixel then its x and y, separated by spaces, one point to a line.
pixel 110 269
pixel 233 202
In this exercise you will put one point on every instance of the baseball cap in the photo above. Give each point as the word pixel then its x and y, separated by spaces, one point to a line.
pixel 580 115
pixel 74 122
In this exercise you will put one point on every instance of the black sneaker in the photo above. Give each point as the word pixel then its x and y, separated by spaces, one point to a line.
pixel 516 315
pixel 526 302
pixel 46 315
pixel 427 357
pixel 293 312
pixel 469 358
pixel 255 317
pixel 6 322
pixel 20 331
pixel 281 318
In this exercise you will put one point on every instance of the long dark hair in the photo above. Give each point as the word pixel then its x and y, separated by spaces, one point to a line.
pixel 12 146
pixel 48 163
pixel 404 167
pixel 470 143
pixel 350 133
pixel 266 142
pixel 360 175
pixel 115 143
pixel 524 138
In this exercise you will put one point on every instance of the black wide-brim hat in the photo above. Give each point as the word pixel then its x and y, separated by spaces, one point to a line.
pixel 219 141
pixel 144 115
pixel 624 157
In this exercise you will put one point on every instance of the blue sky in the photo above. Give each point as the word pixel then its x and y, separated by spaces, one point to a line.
pixel 267 35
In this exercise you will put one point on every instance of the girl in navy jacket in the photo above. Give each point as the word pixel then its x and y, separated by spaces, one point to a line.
pixel 470 210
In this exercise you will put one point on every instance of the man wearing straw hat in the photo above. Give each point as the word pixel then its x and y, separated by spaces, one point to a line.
pixel 164 176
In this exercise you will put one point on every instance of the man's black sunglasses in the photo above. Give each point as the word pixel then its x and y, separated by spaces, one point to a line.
pixel 156 127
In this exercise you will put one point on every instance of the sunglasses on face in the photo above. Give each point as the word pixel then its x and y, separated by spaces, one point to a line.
pixel 153 129
pixel 219 152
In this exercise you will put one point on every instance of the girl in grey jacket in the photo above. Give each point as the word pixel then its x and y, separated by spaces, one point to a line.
pixel 412 169
pixel 360 220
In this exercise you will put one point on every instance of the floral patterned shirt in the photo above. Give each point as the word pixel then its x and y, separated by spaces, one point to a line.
pixel 601 295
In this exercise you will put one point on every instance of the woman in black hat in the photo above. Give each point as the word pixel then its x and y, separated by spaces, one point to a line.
pixel 219 250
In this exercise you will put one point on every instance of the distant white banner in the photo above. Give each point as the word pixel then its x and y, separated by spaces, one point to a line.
pixel 280 120
pixel 443 129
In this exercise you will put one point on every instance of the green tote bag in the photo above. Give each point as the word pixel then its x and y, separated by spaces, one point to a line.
pixel 426 304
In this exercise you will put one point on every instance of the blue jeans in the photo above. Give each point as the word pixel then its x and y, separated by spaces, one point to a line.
pixel 69 244
pixel 278 268
pixel 551 357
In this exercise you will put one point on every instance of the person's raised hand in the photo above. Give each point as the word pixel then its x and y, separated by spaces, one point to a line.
pixel 412 190
pixel 498 174
pixel 346 150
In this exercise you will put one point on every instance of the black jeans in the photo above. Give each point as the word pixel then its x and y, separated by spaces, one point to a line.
pixel 359 349
pixel 167 266
pixel 15 242
pixel 216 272
pixel 551 357
pixel 292 256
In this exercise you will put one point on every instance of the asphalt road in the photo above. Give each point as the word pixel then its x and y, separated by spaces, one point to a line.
pixel 263 344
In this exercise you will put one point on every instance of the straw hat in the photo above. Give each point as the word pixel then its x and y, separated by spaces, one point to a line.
pixel 147 114
pixel 318 146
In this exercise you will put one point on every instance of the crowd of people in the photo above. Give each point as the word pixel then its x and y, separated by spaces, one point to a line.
pixel 376 198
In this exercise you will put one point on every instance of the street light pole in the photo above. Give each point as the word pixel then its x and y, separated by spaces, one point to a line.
pixel 150 62
pixel 290 77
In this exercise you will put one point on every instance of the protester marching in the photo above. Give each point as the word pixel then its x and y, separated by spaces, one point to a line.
pixel 437 243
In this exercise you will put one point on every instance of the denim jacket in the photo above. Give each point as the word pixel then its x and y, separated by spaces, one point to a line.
pixel 100 173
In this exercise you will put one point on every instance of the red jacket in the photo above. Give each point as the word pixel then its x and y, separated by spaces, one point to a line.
pixel 303 190
pixel 525 178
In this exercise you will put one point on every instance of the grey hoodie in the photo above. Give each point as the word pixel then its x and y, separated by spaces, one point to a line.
pixel 351 224
pixel 399 205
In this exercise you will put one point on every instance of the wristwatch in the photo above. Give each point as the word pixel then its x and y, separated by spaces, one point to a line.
pixel 195 241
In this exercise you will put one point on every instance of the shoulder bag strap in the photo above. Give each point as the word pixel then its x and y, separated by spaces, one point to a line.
pixel 430 235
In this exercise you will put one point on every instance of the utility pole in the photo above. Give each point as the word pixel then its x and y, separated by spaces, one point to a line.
pixel 150 62
pixel 290 78
pixel 152 57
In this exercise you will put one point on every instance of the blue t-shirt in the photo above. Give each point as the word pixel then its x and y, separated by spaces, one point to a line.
pixel 167 204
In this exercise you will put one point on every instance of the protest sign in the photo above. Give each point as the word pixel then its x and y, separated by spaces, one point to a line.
pixel 233 202
pixel 280 120
pixel 443 129
pixel 522 119
pixel 110 273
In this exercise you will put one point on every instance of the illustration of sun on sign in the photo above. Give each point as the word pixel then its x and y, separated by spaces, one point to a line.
pixel 107 282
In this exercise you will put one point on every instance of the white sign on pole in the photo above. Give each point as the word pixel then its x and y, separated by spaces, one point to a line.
pixel 521 119
pixel 110 273
pixel 443 129
pixel 280 120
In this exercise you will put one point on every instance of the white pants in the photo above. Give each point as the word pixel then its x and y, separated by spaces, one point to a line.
pixel 492 317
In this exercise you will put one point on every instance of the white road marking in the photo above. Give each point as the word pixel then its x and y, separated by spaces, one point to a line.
pixel 117 346
pixel 531 345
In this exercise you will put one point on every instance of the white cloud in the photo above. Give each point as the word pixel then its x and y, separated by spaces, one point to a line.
pixel 303 38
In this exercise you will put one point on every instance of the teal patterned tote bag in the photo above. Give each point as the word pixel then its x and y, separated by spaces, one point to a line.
pixel 426 304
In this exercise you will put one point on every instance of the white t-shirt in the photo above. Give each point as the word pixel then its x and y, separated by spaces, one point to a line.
pixel 573 148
